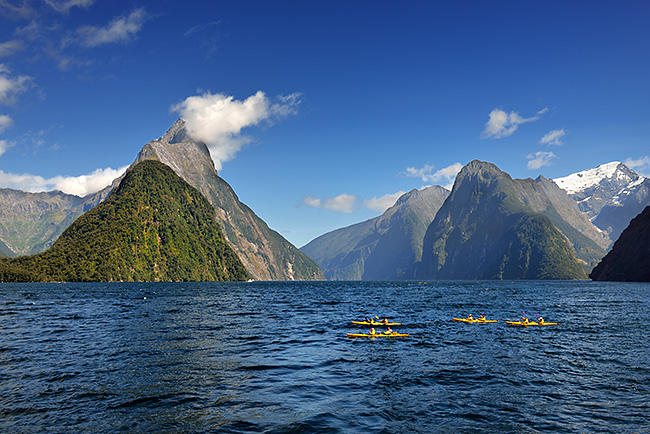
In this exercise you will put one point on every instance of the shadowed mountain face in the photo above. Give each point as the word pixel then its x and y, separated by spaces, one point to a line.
pixel 152 227
pixel 629 259
pixel 488 229
pixel 383 248
pixel 264 252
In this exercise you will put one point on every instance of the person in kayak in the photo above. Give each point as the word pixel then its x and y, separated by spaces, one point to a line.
pixel 372 330
pixel 482 317
pixel 470 317
pixel 540 320
pixel 524 320
pixel 384 321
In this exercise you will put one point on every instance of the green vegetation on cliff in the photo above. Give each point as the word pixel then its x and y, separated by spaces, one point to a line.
pixel 153 227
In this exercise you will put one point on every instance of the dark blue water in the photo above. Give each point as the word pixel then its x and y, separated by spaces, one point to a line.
pixel 274 358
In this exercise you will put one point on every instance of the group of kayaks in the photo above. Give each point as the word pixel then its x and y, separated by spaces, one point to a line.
pixel 522 322
pixel 376 322
pixel 372 333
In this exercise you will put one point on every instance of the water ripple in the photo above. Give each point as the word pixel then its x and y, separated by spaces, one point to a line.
pixel 274 357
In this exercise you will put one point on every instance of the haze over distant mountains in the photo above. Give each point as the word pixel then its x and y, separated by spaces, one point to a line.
pixel 382 248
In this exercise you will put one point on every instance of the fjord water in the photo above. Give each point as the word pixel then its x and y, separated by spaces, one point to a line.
pixel 274 357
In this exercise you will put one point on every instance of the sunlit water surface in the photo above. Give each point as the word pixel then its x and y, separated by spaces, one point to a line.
pixel 274 357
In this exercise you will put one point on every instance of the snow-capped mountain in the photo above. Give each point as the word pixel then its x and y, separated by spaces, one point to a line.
pixel 610 195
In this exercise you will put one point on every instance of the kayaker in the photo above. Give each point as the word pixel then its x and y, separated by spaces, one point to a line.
pixel 524 320
pixel 470 317
pixel 384 321
pixel 372 330
pixel 389 331
pixel 540 320
pixel 482 317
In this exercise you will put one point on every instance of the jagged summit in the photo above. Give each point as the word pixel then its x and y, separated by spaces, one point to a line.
pixel 177 150
pixel 176 133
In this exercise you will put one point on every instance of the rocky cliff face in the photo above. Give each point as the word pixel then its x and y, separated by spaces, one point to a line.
pixel 629 259
pixel 264 252
pixel 382 248
pixel 488 229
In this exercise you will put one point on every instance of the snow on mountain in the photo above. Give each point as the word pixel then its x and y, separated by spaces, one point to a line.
pixel 578 182
pixel 610 195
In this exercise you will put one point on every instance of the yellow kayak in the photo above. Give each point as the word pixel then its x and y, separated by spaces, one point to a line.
pixel 530 323
pixel 376 323
pixel 474 320
pixel 377 335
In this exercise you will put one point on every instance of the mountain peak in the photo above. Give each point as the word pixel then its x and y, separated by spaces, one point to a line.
pixel 610 173
pixel 176 133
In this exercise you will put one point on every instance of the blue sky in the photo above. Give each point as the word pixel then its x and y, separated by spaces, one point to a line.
pixel 320 113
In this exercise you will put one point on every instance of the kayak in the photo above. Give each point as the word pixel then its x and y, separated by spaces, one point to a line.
pixel 375 323
pixel 377 335
pixel 530 323
pixel 474 320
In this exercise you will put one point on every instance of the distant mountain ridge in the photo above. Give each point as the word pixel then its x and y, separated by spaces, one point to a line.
pixel 31 222
pixel 382 248
pixel 152 227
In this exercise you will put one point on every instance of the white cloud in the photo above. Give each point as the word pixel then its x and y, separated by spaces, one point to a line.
pixel 553 137
pixel 641 165
pixel 5 122
pixel 217 120
pixel 4 145
pixel 64 6
pixel 444 176
pixel 382 203
pixel 540 159
pixel 10 47
pixel 78 185
pixel 502 124
pixel 10 87
pixel 122 29
pixel 343 202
